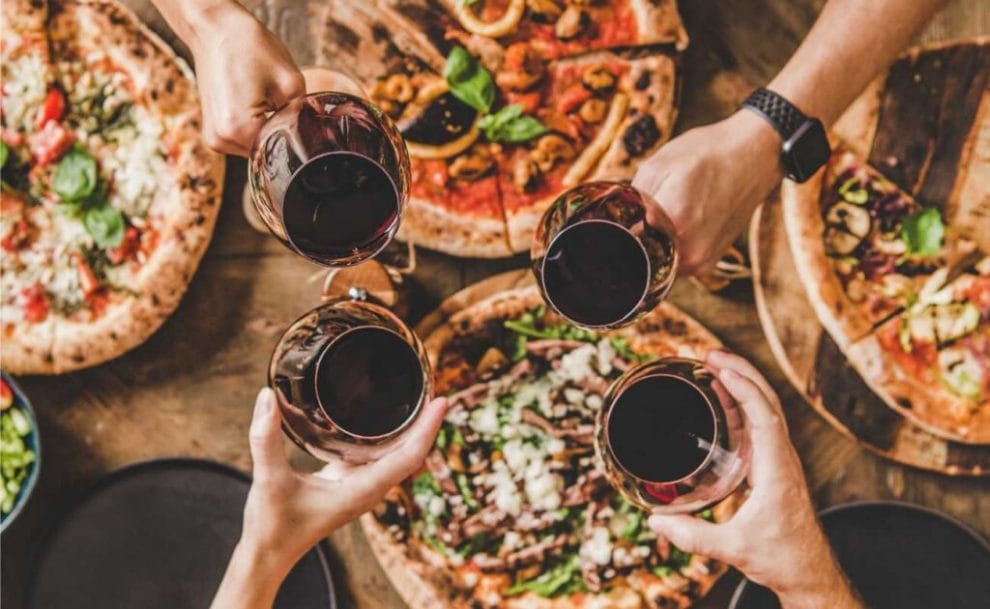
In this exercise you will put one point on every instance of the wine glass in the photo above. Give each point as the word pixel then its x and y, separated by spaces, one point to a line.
pixel 604 254
pixel 670 437
pixel 329 177
pixel 349 378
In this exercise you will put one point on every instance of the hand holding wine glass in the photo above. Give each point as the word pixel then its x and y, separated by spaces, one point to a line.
pixel 774 538
pixel 287 512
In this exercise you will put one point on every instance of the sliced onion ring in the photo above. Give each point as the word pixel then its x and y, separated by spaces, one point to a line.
pixel 505 24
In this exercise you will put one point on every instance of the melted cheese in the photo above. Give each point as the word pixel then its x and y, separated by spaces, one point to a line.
pixel 24 90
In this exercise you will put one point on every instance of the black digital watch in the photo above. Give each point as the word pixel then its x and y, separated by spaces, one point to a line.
pixel 805 147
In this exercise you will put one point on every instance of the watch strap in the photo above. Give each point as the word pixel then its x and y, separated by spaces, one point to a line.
pixel 782 114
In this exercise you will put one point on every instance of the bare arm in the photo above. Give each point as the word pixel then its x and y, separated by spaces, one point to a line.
pixel 710 179
pixel 243 70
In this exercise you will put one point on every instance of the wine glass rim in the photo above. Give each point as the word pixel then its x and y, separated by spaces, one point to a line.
pixel 419 401
pixel 608 419
pixel 632 311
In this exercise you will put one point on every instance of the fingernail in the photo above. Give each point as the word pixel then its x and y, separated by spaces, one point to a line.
pixel 265 401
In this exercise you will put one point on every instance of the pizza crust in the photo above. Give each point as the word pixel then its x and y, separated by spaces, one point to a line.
pixel 439 228
pixel 164 86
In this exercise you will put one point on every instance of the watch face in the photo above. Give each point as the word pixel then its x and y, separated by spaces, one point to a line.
pixel 806 151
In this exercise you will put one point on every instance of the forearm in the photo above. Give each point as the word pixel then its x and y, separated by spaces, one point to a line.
pixel 252 578
pixel 849 45
pixel 191 19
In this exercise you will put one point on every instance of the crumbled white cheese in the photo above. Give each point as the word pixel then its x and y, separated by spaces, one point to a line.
pixel 606 353
pixel 512 541
pixel 573 395
pixel 484 418
pixel 436 506
pixel 575 365
pixel 457 416
pixel 137 164
pixel 555 446
pixel 24 90
pixel 535 392
pixel 543 490
pixel 597 548
pixel 593 401
pixel 505 495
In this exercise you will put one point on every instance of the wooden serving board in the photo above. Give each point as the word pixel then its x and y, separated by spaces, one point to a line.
pixel 920 115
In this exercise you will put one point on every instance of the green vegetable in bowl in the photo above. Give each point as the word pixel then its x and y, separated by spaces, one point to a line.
pixel 15 455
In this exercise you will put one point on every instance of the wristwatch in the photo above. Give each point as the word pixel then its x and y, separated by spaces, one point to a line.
pixel 805 147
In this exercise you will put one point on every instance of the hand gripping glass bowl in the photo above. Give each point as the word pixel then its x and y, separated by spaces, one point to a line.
pixel 670 438
pixel 329 177
pixel 349 378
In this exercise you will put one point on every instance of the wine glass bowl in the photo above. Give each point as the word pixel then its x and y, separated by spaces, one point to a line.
pixel 604 254
pixel 670 438
pixel 349 378
pixel 329 177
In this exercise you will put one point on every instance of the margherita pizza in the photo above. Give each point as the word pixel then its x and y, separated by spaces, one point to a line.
pixel 512 509
pixel 506 104
pixel 109 195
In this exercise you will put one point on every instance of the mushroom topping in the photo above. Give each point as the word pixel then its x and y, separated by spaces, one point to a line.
pixel 572 22
pixel 549 150
pixel 641 136
pixel 593 110
pixel 598 79
pixel 444 128
pixel 544 11
pixel 525 174
pixel 521 68
pixel 505 24
pixel 473 164
pixel 848 225
pixel 941 324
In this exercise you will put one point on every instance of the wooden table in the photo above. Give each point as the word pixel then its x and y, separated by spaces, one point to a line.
pixel 190 389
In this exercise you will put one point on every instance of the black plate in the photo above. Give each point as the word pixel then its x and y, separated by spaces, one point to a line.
pixel 158 534
pixel 899 556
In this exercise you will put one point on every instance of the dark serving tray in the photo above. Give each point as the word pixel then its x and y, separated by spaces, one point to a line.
pixel 899 556
pixel 158 534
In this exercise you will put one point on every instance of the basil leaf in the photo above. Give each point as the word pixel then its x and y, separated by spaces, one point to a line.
pixel 510 125
pixel 923 232
pixel 105 224
pixel 3 154
pixel 75 176
pixel 469 81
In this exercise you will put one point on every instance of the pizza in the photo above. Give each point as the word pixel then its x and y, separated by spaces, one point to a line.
pixel 874 261
pixel 502 110
pixel 512 509
pixel 109 195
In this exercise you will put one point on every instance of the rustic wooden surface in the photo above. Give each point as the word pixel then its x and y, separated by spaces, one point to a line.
pixel 189 390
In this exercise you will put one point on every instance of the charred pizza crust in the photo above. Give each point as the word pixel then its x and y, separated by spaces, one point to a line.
pixel 163 86
pixel 426 579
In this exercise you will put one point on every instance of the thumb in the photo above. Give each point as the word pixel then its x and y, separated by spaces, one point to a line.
pixel 690 534
pixel 265 436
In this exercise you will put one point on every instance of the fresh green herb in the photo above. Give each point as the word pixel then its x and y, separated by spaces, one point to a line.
pixel 530 325
pixel 443 437
pixel 468 2
pixel 560 579
pixel 456 437
pixel 16 457
pixel 512 126
pixel 662 571
pixel 466 491
pixel 3 154
pixel 678 558
pixel 474 545
pixel 105 224
pixel 631 532
pixel 425 484
pixel 436 544
pixel 621 346
pixel 75 176
pixel 518 347
pixel 923 232
pixel 469 81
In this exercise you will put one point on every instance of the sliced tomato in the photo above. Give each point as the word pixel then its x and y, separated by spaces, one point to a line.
pixel 98 301
pixel 572 98
pixel 53 108
pixel 35 301
pixel 87 278
pixel 149 240
pixel 6 395
pixel 128 247
pixel 18 236
pixel 48 144
pixel 529 100
pixel 979 294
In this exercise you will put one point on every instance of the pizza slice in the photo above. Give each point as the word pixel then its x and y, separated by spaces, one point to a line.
pixel 558 29
pixel 604 113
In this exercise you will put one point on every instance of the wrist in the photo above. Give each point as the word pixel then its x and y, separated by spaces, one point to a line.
pixel 759 145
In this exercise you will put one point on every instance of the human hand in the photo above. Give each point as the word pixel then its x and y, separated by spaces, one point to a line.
pixel 288 512
pixel 709 180
pixel 243 71
pixel 774 538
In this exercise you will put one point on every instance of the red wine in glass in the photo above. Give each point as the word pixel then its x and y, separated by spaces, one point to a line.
pixel 604 255
pixel 329 177
pixel 349 377
pixel 670 440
